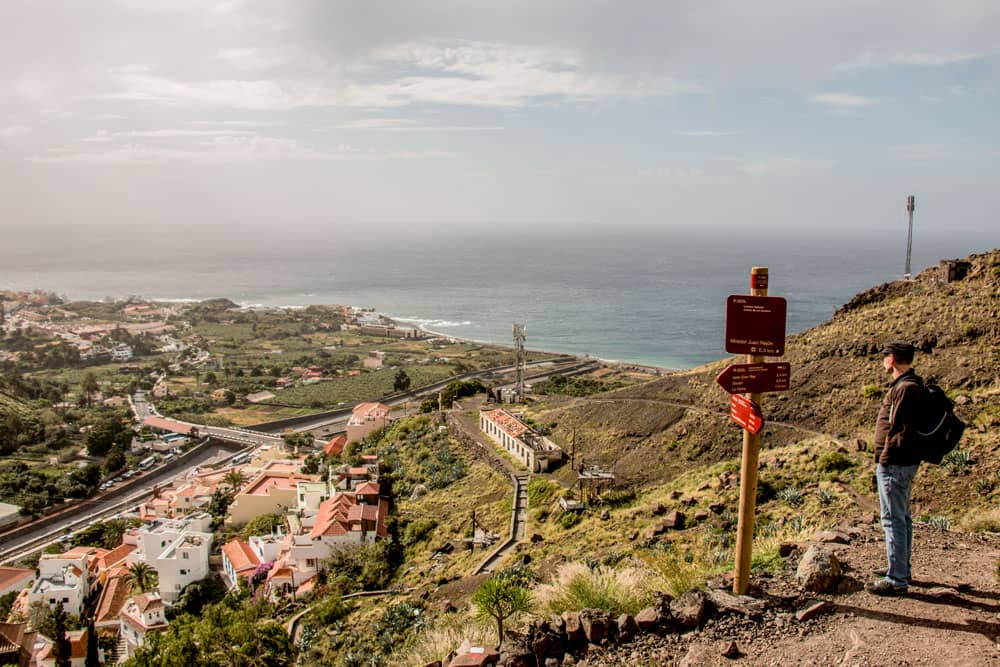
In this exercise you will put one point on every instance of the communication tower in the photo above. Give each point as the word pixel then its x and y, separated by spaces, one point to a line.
pixel 911 203
pixel 520 361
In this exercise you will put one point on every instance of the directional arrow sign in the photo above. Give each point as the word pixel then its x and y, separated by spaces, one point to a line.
pixel 746 413
pixel 756 325
pixel 755 378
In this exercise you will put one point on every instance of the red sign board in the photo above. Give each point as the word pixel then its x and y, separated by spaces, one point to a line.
pixel 755 378
pixel 756 325
pixel 746 413
pixel 758 281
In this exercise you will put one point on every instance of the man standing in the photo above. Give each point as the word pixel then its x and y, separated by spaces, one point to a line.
pixel 898 458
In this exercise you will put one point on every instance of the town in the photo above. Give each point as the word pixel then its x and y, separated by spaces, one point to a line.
pixel 194 477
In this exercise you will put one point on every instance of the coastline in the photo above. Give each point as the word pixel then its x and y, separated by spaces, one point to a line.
pixel 658 370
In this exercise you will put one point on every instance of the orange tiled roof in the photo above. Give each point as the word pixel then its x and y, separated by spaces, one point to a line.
pixel 336 445
pixel 367 488
pixel 11 575
pixel 168 425
pixel 332 517
pixel 513 426
pixel 113 598
pixel 371 411
pixel 240 555
pixel 115 556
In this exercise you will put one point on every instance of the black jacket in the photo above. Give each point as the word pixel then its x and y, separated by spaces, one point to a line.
pixel 895 428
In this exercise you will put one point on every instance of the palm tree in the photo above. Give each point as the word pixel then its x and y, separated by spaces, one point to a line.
pixel 234 479
pixel 500 598
pixel 142 576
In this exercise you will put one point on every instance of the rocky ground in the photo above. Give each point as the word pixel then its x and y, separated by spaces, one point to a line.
pixel 950 616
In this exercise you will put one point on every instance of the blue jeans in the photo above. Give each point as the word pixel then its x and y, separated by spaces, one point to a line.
pixel 894 485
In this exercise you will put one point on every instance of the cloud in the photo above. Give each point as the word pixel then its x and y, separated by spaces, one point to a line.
pixel 766 166
pixel 707 133
pixel 231 150
pixel 843 103
pixel 870 60
pixel 404 125
pixel 14 132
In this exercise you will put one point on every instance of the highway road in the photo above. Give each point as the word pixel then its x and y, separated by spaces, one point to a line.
pixel 108 504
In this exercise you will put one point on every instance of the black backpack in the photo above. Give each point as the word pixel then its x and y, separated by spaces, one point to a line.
pixel 940 429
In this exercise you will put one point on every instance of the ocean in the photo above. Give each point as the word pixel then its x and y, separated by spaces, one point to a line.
pixel 649 296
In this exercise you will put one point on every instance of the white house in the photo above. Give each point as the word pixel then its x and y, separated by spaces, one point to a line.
pixel 66 578
pixel 525 444
pixel 177 549
pixel 140 616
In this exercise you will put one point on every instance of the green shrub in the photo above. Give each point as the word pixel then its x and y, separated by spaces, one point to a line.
pixel 939 522
pixel 872 391
pixel 957 461
pixel 417 531
pixel 792 496
pixel 824 497
pixel 834 462
pixel 541 492
pixel 569 519
pixel 576 586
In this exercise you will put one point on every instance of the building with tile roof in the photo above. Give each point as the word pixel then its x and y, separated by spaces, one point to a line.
pixel 533 450
pixel 238 561
pixel 365 418
pixel 16 644
pixel 77 650
pixel 140 616
pixel 13 579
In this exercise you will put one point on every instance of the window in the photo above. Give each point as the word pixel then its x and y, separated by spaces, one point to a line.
pixel 185 555
pixel 184 571
pixel 65 600
pixel 177 587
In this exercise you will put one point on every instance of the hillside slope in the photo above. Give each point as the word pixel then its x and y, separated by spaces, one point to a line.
pixel 653 432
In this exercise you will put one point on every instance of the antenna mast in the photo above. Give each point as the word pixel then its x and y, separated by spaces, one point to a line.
pixel 911 203
pixel 520 361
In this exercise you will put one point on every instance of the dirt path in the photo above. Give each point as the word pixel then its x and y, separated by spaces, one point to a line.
pixel 717 413
pixel 950 616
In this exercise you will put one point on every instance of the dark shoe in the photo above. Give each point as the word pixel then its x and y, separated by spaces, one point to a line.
pixel 884 588
pixel 883 572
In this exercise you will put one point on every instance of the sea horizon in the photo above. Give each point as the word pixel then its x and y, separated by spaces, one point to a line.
pixel 651 297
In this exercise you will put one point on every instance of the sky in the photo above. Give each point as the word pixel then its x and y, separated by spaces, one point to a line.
pixel 383 116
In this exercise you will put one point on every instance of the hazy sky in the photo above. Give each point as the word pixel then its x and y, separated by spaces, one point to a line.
pixel 559 113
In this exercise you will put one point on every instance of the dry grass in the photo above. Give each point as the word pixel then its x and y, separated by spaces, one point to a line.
pixel 440 640
pixel 576 586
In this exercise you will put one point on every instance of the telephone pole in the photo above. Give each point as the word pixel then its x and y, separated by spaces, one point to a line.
pixel 911 204
pixel 521 360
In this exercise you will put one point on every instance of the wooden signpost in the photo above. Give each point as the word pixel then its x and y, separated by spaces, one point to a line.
pixel 755 326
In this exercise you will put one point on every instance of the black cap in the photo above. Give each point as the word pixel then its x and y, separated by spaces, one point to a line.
pixel 902 351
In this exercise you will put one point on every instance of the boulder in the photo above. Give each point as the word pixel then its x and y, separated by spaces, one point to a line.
pixel 515 651
pixel 701 515
pixel 649 619
pixel 716 508
pixel 732 651
pixel 727 603
pixel 812 609
pixel 674 521
pixel 536 538
pixel 546 644
pixel 596 625
pixel 786 549
pixel 626 627
pixel 691 609
pixel 832 537
pixel 574 629
pixel 819 570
